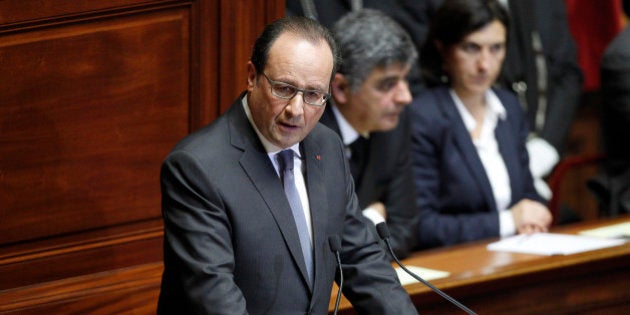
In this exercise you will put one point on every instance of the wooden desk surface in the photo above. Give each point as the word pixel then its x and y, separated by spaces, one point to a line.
pixel 491 282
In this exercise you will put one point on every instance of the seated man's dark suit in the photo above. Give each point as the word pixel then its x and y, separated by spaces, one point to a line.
pixel 455 198
pixel 232 246
pixel 387 177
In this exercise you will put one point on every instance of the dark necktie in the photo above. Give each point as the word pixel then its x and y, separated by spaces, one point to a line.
pixel 285 163
pixel 358 158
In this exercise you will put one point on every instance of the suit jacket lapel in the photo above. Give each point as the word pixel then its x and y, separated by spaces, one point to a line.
pixel 365 187
pixel 263 176
pixel 316 187
pixel 506 139
pixel 464 143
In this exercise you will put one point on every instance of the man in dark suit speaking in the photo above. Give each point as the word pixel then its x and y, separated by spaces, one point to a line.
pixel 250 201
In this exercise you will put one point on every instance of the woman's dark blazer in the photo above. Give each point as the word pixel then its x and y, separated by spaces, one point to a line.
pixel 454 198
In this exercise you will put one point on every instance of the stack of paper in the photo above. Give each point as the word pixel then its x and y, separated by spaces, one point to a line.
pixel 621 230
pixel 552 244
pixel 424 273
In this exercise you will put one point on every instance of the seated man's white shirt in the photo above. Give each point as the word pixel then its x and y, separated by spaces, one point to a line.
pixel 349 135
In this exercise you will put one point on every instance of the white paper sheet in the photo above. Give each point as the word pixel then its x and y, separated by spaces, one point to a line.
pixel 552 244
pixel 424 273
pixel 620 230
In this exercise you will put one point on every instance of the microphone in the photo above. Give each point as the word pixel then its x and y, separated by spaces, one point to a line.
pixel 335 247
pixel 383 233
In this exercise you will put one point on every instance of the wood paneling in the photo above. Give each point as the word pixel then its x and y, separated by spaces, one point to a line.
pixel 20 13
pixel 70 257
pixel 93 95
pixel 89 109
pixel 132 290
pixel 87 116
pixel 236 32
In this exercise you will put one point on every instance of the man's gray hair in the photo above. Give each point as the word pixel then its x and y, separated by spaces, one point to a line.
pixel 369 39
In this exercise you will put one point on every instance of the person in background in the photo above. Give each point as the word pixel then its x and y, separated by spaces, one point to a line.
pixel 470 162
pixel 251 202
pixel 612 186
pixel 369 95
pixel 541 67
pixel 411 15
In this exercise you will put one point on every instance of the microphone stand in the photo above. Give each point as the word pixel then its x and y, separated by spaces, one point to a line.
pixel 335 246
pixel 383 232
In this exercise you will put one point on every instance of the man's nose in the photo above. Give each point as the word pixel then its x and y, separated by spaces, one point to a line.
pixel 296 104
pixel 403 94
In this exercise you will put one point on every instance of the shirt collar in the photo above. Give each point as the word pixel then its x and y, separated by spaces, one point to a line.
pixel 269 147
pixel 348 133
pixel 494 108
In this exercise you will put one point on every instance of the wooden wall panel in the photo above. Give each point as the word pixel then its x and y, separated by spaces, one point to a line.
pixel 71 257
pixel 93 98
pixel 206 49
pixel 237 39
pixel 17 12
pixel 89 111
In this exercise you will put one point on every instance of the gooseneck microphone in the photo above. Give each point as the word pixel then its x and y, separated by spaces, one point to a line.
pixel 335 247
pixel 383 233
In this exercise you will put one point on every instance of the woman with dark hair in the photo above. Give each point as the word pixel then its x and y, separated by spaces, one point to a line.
pixel 468 139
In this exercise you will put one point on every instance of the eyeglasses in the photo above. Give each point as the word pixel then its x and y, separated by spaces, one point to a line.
pixel 287 91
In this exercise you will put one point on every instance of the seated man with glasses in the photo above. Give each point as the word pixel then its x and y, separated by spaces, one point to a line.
pixel 370 93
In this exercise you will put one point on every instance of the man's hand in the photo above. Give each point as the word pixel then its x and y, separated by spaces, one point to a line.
pixel 380 208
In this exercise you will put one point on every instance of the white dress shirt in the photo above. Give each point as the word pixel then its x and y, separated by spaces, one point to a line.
pixel 348 135
pixel 488 151
pixel 300 184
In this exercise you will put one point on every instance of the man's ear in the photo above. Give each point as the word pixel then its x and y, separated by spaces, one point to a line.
pixel 251 76
pixel 340 88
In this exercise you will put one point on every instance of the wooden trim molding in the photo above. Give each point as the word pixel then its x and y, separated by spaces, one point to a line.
pixel 100 293
pixel 80 254
pixel 75 246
